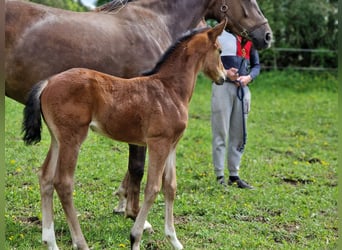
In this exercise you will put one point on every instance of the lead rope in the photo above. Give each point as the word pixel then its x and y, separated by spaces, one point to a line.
pixel 240 95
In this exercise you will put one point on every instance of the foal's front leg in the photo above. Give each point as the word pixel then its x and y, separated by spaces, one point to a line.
pixel 158 152
pixel 169 190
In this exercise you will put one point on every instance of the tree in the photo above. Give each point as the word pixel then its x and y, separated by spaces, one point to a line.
pixel 101 2
pixel 302 25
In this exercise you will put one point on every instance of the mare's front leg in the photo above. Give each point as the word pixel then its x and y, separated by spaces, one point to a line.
pixel 137 155
pixel 169 190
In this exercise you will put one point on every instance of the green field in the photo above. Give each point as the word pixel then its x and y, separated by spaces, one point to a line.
pixel 290 157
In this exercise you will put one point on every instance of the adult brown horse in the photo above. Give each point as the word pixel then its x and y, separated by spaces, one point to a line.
pixel 156 116
pixel 122 40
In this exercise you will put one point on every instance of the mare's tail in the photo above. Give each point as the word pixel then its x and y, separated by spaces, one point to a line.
pixel 32 123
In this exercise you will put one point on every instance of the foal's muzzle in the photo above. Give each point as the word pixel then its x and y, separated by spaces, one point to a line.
pixel 221 80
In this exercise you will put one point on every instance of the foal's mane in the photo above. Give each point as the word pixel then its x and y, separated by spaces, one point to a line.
pixel 186 36
pixel 112 5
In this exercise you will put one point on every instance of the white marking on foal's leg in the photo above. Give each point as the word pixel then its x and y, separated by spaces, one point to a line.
pixel 148 227
pixel 49 238
pixel 169 193
pixel 46 189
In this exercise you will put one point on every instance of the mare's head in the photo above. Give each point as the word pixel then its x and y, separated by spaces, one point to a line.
pixel 206 43
pixel 244 18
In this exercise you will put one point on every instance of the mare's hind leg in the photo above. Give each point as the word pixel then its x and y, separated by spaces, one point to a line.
pixel 64 182
pixel 169 190
pixel 46 176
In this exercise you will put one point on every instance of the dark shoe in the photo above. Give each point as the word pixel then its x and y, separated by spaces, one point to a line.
pixel 220 180
pixel 240 184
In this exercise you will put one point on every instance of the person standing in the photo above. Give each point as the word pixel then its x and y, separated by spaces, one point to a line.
pixel 230 105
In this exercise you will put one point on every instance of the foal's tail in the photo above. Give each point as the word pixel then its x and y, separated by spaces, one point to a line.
pixel 32 123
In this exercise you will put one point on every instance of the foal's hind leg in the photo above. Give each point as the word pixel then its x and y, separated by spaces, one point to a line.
pixel 169 190
pixel 46 177
pixel 64 182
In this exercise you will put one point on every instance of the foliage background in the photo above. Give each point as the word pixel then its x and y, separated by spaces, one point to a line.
pixel 64 4
pixel 302 25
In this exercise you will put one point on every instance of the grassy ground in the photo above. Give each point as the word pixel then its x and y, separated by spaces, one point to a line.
pixel 290 158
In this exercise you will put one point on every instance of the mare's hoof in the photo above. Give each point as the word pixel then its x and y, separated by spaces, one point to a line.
pixel 118 211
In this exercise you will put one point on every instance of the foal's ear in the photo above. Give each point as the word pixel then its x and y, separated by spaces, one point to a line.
pixel 217 30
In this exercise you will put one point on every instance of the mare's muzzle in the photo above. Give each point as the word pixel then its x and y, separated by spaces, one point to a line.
pixel 261 37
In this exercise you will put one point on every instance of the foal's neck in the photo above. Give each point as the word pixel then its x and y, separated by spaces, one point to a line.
pixel 179 73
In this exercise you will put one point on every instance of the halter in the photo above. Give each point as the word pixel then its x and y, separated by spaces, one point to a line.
pixel 244 32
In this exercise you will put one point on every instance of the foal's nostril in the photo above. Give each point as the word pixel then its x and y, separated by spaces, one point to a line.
pixel 220 81
pixel 268 37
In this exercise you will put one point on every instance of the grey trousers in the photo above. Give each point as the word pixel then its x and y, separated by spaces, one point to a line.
pixel 227 127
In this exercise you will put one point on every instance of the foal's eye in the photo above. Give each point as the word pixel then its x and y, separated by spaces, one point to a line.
pixel 220 50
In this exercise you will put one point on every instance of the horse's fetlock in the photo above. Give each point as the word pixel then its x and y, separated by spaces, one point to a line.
pixel 132 239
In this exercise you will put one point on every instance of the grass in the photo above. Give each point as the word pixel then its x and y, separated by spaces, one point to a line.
pixel 290 158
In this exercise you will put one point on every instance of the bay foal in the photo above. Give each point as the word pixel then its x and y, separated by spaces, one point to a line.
pixel 151 110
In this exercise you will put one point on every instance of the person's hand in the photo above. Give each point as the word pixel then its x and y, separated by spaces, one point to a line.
pixel 232 74
pixel 244 80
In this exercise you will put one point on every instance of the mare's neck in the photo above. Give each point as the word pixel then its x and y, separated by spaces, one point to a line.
pixel 178 15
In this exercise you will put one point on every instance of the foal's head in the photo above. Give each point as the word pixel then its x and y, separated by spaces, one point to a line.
pixel 212 66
